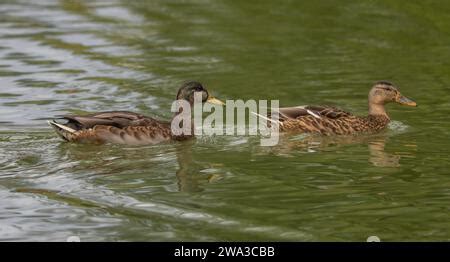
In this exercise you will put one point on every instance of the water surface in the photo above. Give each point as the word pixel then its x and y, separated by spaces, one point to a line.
pixel 59 57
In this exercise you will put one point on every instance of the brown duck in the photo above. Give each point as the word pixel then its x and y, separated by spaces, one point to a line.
pixel 328 120
pixel 122 127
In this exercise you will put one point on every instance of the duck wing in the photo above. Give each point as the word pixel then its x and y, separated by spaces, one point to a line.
pixel 119 119
pixel 297 112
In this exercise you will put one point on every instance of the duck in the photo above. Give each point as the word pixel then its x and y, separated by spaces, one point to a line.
pixel 329 120
pixel 123 127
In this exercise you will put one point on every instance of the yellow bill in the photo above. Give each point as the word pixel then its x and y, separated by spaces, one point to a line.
pixel 403 100
pixel 214 101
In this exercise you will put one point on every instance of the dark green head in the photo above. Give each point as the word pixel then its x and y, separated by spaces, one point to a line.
pixel 188 89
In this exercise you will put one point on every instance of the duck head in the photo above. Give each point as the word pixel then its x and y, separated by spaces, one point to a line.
pixel 384 92
pixel 188 90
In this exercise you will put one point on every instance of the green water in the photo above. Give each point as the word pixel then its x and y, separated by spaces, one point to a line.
pixel 59 57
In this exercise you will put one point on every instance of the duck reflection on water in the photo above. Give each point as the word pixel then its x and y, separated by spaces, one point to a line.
pixel 377 155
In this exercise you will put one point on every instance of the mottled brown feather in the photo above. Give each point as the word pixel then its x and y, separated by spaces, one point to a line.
pixel 333 121
pixel 118 127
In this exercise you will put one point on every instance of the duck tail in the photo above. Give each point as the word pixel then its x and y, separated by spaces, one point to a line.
pixel 63 131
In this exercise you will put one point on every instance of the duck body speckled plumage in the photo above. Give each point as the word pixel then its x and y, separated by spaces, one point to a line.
pixel 118 127
pixel 327 120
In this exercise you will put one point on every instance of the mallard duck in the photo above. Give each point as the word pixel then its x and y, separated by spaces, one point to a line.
pixel 122 127
pixel 328 120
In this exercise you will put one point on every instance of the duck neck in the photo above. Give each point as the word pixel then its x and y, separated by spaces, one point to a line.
pixel 378 117
pixel 376 109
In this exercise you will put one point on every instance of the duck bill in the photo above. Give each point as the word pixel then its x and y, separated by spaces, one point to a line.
pixel 214 101
pixel 403 100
